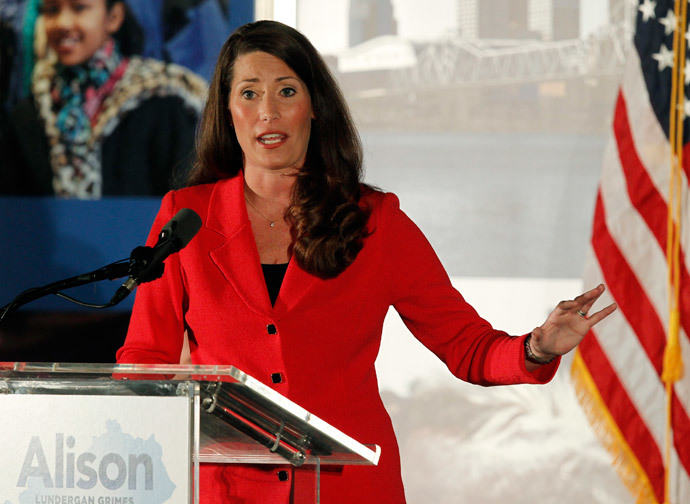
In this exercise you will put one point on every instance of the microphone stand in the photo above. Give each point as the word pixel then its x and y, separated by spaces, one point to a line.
pixel 138 260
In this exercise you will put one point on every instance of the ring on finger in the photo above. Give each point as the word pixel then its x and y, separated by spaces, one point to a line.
pixel 581 313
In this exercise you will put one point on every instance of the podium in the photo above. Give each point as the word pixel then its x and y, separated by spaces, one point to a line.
pixel 131 433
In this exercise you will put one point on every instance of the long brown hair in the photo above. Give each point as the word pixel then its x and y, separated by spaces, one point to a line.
pixel 328 223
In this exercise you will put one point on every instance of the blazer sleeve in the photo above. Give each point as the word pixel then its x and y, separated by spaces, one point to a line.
pixel 156 327
pixel 437 314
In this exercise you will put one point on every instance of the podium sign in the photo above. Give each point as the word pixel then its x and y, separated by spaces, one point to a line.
pixel 110 452
pixel 135 434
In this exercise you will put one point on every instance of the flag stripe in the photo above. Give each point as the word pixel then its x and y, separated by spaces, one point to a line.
pixel 653 147
pixel 627 291
pixel 624 352
pixel 654 150
pixel 625 414
pixel 649 202
pixel 634 303
pixel 648 262
pixel 650 139
pixel 644 196
pixel 625 462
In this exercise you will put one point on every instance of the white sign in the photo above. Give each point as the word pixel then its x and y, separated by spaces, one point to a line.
pixel 60 449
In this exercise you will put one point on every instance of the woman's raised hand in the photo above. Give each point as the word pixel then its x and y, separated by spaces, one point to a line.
pixel 567 324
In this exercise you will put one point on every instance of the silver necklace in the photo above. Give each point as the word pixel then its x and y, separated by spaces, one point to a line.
pixel 271 222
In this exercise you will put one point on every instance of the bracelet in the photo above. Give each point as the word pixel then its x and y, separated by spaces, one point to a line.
pixel 531 357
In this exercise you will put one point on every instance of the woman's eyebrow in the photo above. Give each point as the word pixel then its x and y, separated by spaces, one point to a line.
pixel 277 79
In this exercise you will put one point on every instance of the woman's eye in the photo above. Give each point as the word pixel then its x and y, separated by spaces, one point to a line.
pixel 288 91
pixel 248 94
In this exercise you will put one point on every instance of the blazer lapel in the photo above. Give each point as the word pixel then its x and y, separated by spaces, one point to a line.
pixel 237 258
pixel 296 285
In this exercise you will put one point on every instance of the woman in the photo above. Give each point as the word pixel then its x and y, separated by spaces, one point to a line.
pixel 101 121
pixel 277 185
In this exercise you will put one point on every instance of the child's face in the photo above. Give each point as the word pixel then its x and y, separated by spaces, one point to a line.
pixel 76 29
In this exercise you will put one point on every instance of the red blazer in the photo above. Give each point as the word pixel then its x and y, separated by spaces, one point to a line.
pixel 327 339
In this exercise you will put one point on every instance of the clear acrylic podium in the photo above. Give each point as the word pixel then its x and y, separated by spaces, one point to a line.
pixel 138 433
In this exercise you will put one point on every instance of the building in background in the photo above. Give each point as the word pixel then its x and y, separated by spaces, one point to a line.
pixel 540 18
pixel 545 20
pixel 468 19
pixel 566 19
pixel 370 19
pixel 504 19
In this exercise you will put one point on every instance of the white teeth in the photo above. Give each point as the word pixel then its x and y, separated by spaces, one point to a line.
pixel 271 138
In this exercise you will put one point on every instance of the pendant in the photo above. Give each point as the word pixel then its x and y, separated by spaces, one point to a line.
pixel 272 223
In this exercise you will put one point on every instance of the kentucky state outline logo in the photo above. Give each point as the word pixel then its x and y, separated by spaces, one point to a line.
pixel 115 469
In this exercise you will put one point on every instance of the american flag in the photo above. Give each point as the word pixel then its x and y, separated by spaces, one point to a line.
pixel 638 403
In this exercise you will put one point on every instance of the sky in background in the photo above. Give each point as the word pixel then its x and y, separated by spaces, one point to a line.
pixel 325 23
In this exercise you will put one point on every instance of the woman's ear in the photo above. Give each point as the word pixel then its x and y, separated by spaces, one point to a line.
pixel 114 17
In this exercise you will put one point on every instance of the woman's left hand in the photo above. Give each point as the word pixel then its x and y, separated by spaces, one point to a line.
pixel 567 324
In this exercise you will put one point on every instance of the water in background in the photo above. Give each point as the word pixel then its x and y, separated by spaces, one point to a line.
pixel 494 204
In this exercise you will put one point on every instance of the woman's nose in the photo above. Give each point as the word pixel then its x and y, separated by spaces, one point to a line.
pixel 269 109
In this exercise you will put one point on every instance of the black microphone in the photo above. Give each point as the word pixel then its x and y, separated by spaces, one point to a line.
pixel 147 262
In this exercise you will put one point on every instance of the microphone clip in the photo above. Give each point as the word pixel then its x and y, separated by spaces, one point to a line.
pixel 140 266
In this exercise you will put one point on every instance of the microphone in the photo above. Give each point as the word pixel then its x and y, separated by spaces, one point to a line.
pixel 147 262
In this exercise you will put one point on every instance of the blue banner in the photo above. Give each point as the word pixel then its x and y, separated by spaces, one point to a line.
pixel 48 239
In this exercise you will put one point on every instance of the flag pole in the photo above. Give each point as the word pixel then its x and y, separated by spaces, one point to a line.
pixel 672 363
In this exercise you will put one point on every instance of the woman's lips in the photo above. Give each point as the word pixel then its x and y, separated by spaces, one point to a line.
pixel 272 139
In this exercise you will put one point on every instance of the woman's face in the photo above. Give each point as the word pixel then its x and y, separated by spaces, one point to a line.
pixel 271 112
pixel 76 29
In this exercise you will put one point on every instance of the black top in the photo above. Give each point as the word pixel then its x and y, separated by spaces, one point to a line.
pixel 148 153
pixel 273 274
